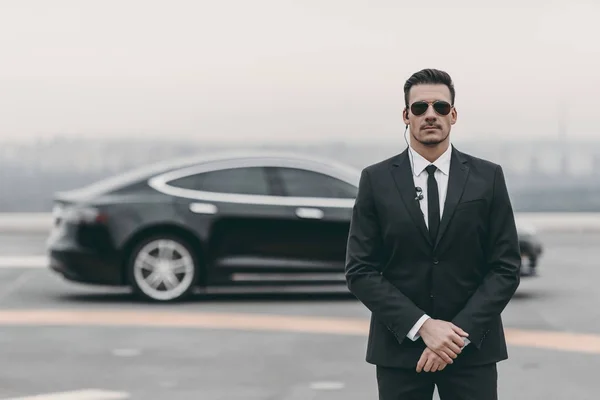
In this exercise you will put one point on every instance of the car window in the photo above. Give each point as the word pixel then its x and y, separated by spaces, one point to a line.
pixel 304 183
pixel 250 180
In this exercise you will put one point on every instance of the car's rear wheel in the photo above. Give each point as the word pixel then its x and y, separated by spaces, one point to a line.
pixel 163 268
pixel 528 265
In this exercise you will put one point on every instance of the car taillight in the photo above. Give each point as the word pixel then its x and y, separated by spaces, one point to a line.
pixel 85 215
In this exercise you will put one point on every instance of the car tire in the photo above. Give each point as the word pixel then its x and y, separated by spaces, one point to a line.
pixel 163 268
pixel 533 261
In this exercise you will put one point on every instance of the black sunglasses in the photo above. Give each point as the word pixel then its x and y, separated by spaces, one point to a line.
pixel 440 107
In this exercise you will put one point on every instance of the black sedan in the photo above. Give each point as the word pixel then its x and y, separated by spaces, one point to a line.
pixel 230 219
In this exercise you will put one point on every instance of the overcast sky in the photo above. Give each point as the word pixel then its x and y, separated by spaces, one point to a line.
pixel 260 69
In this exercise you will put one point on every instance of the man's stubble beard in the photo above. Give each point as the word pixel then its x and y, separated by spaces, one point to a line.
pixel 432 143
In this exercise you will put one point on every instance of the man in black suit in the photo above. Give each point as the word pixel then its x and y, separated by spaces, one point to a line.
pixel 433 253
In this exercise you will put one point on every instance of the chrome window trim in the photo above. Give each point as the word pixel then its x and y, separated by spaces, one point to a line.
pixel 160 182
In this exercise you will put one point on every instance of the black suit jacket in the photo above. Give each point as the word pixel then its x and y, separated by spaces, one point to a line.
pixel 467 276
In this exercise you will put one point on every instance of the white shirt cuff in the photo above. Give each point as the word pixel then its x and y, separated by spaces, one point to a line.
pixel 413 334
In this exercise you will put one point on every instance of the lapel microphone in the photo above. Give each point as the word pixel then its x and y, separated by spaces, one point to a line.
pixel 419 194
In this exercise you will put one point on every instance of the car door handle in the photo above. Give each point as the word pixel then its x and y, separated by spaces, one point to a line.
pixel 203 208
pixel 309 213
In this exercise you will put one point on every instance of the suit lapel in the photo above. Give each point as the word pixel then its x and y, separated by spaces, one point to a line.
pixel 402 174
pixel 457 179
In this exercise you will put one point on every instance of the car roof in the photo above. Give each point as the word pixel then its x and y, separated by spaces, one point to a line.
pixel 232 158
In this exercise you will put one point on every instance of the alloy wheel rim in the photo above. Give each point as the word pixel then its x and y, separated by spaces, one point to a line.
pixel 163 269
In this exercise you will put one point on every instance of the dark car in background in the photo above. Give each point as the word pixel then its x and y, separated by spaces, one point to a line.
pixel 230 219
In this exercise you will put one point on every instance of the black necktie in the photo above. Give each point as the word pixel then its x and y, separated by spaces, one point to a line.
pixel 433 203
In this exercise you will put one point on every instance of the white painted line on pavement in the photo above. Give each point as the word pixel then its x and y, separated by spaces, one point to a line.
pixel 26 222
pixel 23 261
pixel 89 394
pixel 327 385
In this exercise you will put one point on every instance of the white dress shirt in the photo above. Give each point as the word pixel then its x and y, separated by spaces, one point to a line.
pixel 418 164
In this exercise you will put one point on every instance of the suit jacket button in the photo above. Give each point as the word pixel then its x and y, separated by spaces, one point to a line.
pixel 435 261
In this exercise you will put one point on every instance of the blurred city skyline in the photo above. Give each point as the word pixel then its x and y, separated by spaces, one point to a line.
pixel 292 70
pixel 542 175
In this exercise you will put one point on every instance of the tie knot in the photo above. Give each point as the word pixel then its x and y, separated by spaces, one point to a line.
pixel 431 169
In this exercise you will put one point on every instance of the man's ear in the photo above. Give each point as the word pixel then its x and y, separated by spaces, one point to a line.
pixel 454 115
pixel 405 116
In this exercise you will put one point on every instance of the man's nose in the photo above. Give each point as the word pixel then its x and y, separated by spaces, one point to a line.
pixel 431 118
pixel 430 113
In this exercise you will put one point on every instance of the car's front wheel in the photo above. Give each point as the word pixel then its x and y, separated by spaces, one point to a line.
pixel 163 268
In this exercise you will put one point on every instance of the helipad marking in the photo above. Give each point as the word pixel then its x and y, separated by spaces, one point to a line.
pixel 563 341
pixel 89 394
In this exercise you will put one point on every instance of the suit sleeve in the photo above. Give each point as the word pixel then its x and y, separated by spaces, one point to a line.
pixel 363 268
pixel 504 261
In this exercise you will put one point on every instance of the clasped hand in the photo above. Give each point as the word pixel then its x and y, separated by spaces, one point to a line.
pixel 444 342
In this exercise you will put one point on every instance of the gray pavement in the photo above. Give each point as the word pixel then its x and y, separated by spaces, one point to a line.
pixel 183 363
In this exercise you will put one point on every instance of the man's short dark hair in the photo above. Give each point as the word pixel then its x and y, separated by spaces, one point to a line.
pixel 429 76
